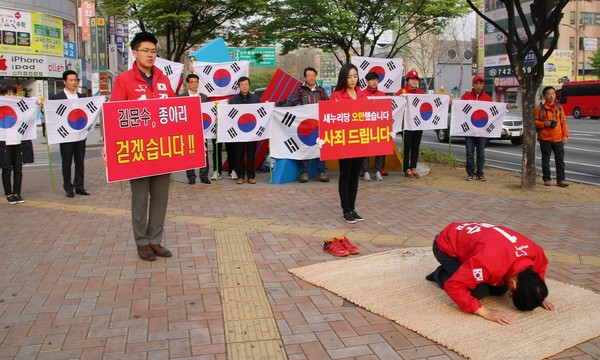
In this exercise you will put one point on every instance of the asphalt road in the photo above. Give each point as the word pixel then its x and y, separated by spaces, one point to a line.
pixel 582 152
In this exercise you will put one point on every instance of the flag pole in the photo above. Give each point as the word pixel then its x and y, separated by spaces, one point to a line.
pixel 43 111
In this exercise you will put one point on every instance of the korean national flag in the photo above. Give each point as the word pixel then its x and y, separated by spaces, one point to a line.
pixel 244 122
pixel 477 118
pixel 398 109
pixel 17 118
pixel 209 119
pixel 426 111
pixel 389 72
pixel 173 70
pixel 71 120
pixel 220 79
pixel 295 132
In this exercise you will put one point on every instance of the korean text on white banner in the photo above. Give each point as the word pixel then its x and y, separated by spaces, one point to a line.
pixel 398 110
pixel 220 79
pixel 477 118
pixel 426 111
pixel 295 132
pixel 389 72
pixel 17 118
pixel 209 119
pixel 173 70
pixel 71 120
pixel 244 122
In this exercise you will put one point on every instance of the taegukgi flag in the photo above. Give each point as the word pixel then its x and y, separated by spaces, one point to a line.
pixel 209 119
pixel 389 72
pixel 17 118
pixel 71 120
pixel 398 109
pixel 477 118
pixel 426 111
pixel 220 79
pixel 244 122
pixel 173 70
pixel 295 132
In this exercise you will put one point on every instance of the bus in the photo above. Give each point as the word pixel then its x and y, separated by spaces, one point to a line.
pixel 581 99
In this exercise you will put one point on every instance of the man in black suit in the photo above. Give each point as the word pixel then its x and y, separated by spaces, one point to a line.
pixel 72 150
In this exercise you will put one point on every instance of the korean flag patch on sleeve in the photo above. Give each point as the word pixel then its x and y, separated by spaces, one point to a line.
pixel 478 274
pixel 162 87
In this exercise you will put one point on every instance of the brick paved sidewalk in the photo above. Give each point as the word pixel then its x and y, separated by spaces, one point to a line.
pixel 72 286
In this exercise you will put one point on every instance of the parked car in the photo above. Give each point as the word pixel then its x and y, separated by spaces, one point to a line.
pixel 512 129
pixel 260 91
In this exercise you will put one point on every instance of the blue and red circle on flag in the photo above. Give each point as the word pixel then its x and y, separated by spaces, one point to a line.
pixel 479 118
pixel 206 121
pixel 77 119
pixel 222 77
pixel 426 111
pixel 247 122
pixel 8 117
pixel 379 71
pixel 308 131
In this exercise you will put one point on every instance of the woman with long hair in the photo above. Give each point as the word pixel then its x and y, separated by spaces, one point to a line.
pixel 347 89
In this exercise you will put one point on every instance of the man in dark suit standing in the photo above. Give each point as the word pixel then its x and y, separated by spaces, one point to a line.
pixel 72 150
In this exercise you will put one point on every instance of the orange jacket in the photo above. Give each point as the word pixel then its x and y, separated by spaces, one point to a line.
pixel 560 132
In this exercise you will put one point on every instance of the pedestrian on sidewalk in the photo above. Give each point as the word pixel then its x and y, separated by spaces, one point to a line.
pixel 149 195
pixel 411 141
pixel 347 89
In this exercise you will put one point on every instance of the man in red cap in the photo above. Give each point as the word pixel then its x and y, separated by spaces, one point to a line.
pixel 411 140
pixel 472 142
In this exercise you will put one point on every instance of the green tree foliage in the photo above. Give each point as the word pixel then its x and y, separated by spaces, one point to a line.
pixel 354 26
pixel 183 23
pixel 261 79
pixel 595 59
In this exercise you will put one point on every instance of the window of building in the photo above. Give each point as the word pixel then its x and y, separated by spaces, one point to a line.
pixel 573 17
pixel 572 43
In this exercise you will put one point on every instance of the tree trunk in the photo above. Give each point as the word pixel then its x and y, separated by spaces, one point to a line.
pixel 528 174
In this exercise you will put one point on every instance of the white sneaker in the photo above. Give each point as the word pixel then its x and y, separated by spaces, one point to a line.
pixel 215 176
pixel 378 176
pixel 366 176
pixel 233 175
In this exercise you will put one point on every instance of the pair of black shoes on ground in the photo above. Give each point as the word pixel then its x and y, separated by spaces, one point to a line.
pixel 71 194
pixel 204 180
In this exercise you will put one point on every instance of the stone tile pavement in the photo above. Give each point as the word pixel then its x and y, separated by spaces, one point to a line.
pixel 73 288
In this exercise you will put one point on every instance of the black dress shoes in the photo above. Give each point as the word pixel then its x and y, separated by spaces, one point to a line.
pixel 70 193
pixel 81 192
pixel 205 180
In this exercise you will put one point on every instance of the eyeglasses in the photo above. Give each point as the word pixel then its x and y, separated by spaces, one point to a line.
pixel 148 51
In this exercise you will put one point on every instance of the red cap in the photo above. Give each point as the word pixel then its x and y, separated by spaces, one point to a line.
pixel 412 74
pixel 477 78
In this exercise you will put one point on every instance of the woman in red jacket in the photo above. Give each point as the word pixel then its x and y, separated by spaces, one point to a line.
pixel 347 89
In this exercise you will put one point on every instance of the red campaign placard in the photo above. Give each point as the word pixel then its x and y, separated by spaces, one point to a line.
pixel 355 128
pixel 152 137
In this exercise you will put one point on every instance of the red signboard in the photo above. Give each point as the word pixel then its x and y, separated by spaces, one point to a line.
pixel 152 137
pixel 88 11
pixel 358 128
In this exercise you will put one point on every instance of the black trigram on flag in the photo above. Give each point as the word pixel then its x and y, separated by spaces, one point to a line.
pixel 437 102
pixel 61 109
pixel 436 120
pixel 91 107
pixel 168 70
pixel 262 112
pixel 291 145
pixel 235 85
pixel 465 127
pixel 260 131
pixel 22 106
pixel 63 132
pixel 394 105
pixel 232 133
pixel 91 128
pixel 416 102
pixel 364 65
pixel 490 128
pixel 467 108
pixel 23 128
pixel 209 87
pixel 362 83
pixel 388 83
pixel 235 67
pixel 214 130
pixel 288 119
pixel 391 66
pixel 232 113
pixel 494 110
pixel 214 110
pixel 417 121
pixel 207 70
